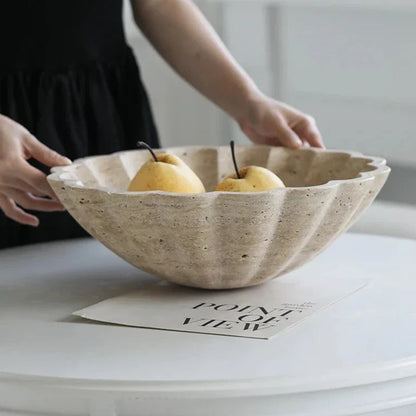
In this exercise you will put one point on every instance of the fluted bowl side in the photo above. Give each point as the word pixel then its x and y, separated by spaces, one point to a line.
pixel 221 240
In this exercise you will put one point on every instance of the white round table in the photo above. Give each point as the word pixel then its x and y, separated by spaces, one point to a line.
pixel 356 357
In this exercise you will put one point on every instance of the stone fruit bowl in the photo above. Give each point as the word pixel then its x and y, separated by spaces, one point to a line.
pixel 221 240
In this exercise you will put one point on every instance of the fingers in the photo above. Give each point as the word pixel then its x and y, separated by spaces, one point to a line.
pixel 19 174
pixel 22 176
pixel 279 134
pixel 20 184
pixel 31 202
pixel 308 131
pixel 44 154
pixel 254 136
pixel 10 196
pixel 287 137
pixel 274 123
pixel 12 211
pixel 35 179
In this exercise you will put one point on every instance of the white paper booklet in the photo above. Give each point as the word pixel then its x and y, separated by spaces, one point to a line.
pixel 254 312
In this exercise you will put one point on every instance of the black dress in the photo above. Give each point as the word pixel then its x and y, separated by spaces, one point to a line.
pixel 68 76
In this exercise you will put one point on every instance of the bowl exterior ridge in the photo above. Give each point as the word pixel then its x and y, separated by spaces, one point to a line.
pixel 216 240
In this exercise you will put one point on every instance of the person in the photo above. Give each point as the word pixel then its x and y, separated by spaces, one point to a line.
pixel 70 87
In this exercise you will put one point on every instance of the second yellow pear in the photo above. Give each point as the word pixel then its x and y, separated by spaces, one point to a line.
pixel 249 179
pixel 252 179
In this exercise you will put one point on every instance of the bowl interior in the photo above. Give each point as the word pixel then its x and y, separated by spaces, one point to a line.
pixel 296 168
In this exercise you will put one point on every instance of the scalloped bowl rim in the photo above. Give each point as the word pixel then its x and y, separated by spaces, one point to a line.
pixel 378 163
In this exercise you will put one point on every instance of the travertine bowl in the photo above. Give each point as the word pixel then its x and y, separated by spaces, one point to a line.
pixel 221 240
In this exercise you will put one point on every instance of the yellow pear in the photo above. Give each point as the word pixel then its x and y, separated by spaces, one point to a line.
pixel 252 179
pixel 249 179
pixel 165 172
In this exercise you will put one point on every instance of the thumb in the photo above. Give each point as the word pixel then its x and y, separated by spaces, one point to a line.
pixel 44 154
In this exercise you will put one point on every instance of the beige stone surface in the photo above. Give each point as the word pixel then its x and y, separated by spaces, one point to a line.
pixel 221 240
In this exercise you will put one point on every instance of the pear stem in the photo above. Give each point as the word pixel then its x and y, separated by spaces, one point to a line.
pixel 234 161
pixel 146 146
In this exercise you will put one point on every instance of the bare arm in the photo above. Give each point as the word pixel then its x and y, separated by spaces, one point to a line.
pixel 185 39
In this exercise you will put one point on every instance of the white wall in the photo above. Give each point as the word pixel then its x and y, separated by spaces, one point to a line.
pixel 354 70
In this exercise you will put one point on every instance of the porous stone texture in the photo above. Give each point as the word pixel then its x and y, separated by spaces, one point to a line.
pixel 220 240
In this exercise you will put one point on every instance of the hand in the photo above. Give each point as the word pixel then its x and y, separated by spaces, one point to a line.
pixel 273 123
pixel 22 185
